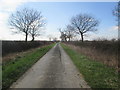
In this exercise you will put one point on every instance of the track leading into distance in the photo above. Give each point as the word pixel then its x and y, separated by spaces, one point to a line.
pixel 54 70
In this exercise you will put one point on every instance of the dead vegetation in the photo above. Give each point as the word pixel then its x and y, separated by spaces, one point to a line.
pixel 15 54
pixel 105 52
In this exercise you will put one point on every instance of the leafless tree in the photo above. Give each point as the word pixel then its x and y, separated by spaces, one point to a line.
pixel 116 12
pixel 23 21
pixel 69 32
pixel 63 35
pixel 50 37
pixel 36 27
pixel 84 23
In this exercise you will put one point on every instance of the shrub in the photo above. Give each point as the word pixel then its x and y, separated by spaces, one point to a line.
pixel 18 46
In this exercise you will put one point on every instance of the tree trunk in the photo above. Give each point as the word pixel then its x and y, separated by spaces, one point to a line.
pixel 26 35
pixel 65 39
pixel 69 38
pixel 82 37
pixel 33 38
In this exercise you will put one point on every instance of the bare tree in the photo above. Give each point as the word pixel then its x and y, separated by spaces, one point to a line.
pixel 116 12
pixel 37 26
pixel 84 23
pixel 50 37
pixel 22 20
pixel 69 32
pixel 63 35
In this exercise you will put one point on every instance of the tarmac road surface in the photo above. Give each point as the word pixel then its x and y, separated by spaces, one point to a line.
pixel 54 70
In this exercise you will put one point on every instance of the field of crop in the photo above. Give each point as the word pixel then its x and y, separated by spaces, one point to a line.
pixel 103 51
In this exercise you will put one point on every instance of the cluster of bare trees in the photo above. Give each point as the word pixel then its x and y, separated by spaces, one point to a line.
pixel 83 23
pixel 27 21
pixel 80 24
pixel 31 22
pixel 52 37
pixel 67 33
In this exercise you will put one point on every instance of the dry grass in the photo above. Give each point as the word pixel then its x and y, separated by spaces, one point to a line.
pixel 12 70
pixel 14 56
pixel 106 58
pixel 98 76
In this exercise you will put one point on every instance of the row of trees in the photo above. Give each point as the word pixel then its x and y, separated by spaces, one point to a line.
pixel 79 25
pixel 83 23
pixel 31 22
pixel 27 21
pixel 67 33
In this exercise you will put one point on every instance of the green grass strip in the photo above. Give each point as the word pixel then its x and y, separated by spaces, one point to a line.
pixel 95 73
pixel 12 71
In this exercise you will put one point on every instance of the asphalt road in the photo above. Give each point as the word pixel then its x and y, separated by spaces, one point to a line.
pixel 53 70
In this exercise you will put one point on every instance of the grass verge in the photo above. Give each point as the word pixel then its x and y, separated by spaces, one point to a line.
pixel 95 73
pixel 14 69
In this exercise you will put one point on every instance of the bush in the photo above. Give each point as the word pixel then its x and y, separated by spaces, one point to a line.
pixel 110 47
pixel 104 51
pixel 18 46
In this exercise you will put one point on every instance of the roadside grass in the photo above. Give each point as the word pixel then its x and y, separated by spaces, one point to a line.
pixel 96 74
pixel 0 76
pixel 14 69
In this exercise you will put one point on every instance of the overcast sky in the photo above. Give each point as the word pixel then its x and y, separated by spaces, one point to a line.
pixel 58 15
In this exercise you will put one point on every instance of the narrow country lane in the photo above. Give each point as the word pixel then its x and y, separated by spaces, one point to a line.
pixel 53 70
